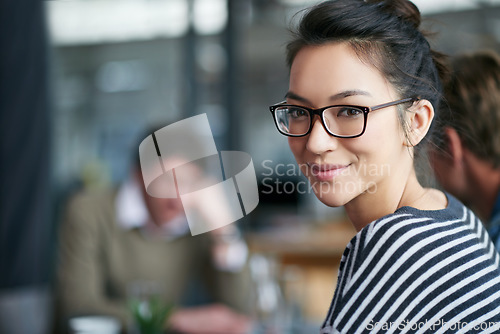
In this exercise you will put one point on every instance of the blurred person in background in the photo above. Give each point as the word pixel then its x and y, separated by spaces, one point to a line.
pixel 116 242
pixel 466 159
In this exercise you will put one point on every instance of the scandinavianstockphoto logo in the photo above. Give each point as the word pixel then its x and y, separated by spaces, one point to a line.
pixel 280 178
pixel 181 161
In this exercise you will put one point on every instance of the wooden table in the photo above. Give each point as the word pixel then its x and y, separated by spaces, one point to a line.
pixel 308 258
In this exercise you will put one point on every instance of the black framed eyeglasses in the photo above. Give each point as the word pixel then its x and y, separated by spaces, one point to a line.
pixel 342 121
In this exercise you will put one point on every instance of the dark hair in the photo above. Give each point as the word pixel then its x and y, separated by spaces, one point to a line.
pixel 473 104
pixel 382 33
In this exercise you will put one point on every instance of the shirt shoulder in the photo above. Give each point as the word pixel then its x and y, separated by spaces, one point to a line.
pixel 405 266
pixel 89 210
pixel 408 225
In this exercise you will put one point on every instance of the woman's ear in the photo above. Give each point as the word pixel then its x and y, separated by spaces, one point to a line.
pixel 418 121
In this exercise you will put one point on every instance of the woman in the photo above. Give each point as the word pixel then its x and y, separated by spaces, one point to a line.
pixel 364 86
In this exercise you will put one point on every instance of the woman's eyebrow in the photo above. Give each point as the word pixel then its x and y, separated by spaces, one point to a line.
pixel 348 93
pixel 337 96
pixel 293 96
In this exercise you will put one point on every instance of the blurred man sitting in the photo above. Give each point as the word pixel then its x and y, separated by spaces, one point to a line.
pixel 467 162
pixel 114 240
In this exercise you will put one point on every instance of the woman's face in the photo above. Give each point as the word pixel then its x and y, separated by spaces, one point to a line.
pixel 341 169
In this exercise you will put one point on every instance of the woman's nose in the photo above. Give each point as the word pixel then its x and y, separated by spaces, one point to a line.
pixel 319 140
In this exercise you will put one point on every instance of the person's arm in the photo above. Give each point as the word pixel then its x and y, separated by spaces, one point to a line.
pixel 81 282
pixel 230 280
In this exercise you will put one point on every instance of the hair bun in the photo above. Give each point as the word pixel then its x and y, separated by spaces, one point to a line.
pixel 404 9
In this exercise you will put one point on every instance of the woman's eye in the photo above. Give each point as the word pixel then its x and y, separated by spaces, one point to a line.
pixel 298 113
pixel 349 112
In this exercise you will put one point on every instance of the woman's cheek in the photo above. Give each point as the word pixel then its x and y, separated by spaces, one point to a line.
pixel 297 147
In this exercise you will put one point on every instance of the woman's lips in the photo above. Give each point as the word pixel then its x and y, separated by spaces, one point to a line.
pixel 326 172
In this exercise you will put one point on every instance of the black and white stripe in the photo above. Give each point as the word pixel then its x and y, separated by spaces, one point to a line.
pixel 418 272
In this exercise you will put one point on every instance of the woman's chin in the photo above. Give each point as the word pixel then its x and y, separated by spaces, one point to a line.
pixel 331 199
pixel 337 194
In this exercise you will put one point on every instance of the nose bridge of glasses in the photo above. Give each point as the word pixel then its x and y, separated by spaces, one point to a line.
pixel 318 119
pixel 320 139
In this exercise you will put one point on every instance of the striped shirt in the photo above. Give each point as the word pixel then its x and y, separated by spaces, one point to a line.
pixel 418 271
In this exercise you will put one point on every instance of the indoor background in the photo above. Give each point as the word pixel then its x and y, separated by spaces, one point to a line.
pixel 116 68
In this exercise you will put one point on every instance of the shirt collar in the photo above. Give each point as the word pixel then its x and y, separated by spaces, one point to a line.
pixel 132 212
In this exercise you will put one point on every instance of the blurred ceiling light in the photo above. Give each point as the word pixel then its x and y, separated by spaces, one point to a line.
pixel 122 76
pixel 209 16
pixel 211 57
pixel 433 6
pixel 425 6
pixel 98 21
pixel 299 3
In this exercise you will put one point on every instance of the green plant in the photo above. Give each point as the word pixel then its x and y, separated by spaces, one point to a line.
pixel 150 315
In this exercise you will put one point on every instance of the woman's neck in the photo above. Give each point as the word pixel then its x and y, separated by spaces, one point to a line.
pixel 391 195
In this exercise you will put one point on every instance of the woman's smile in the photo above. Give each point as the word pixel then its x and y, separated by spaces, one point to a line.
pixel 326 172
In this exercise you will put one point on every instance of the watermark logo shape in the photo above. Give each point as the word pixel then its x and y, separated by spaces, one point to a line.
pixel 181 161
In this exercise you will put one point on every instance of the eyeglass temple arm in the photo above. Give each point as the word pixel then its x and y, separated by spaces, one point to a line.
pixel 393 103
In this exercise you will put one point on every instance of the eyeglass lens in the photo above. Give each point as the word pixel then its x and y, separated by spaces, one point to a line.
pixel 340 120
